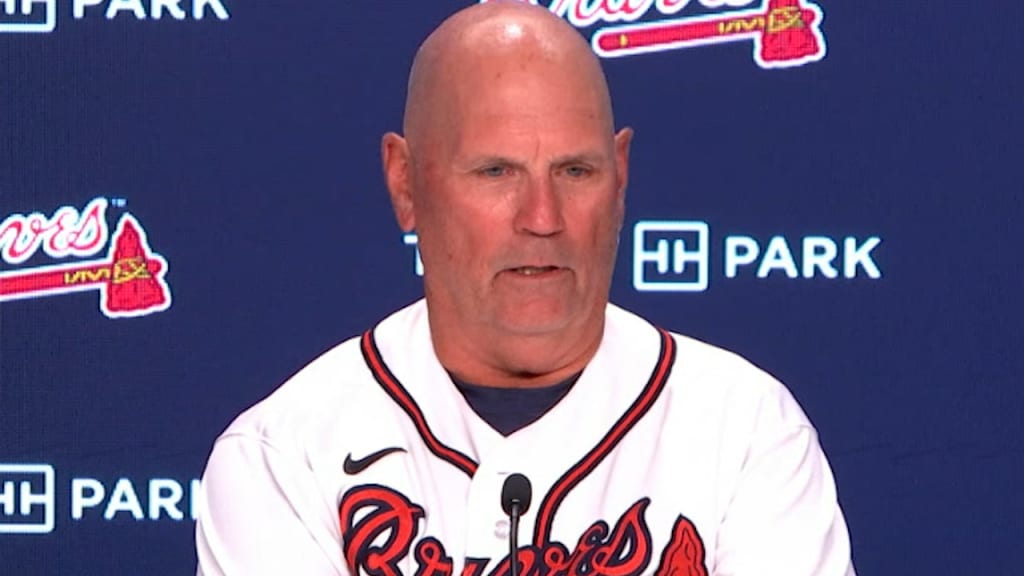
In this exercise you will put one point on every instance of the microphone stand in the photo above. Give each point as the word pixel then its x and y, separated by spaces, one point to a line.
pixel 513 539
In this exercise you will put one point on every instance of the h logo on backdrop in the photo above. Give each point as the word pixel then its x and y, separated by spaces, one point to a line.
pixel 40 16
pixel 674 256
pixel 26 498
pixel 670 256
pixel 28 15
pixel 28 503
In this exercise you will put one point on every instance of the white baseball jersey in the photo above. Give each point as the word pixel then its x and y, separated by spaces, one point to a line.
pixel 668 456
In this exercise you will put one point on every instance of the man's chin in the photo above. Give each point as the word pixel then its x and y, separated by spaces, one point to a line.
pixel 538 321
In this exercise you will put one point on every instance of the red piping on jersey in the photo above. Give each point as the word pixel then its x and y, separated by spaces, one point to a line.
pixel 581 469
pixel 400 395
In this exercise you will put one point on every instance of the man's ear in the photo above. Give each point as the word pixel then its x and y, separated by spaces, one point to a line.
pixel 394 151
pixel 623 139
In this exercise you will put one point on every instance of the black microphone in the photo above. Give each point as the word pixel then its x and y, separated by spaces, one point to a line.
pixel 515 501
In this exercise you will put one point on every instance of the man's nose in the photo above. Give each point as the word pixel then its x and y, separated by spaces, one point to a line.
pixel 539 209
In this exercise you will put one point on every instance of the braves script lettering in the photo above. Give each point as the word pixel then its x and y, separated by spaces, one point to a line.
pixel 379 526
pixel 381 510
pixel 67 233
pixel 784 33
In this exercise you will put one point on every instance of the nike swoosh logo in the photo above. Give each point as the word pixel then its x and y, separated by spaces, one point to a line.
pixel 353 467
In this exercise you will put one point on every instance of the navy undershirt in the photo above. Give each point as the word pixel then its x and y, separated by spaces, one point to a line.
pixel 509 409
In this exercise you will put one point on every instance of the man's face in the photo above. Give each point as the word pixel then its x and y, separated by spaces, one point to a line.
pixel 518 201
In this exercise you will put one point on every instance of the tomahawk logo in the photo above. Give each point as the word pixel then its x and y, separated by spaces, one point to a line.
pixel 130 279
pixel 785 33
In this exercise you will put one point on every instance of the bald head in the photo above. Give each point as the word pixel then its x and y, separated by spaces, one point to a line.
pixel 494 42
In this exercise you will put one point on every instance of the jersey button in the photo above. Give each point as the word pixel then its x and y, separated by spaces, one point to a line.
pixel 501 529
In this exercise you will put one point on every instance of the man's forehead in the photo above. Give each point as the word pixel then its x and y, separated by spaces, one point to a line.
pixel 520 108
pixel 514 125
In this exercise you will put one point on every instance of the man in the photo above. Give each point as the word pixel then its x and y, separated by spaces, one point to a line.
pixel 648 452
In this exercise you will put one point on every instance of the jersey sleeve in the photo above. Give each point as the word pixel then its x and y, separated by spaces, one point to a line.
pixel 262 513
pixel 784 516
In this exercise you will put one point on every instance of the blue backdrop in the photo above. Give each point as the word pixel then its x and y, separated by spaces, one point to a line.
pixel 191 208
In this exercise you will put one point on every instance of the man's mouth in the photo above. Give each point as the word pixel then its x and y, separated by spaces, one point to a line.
pixel 533 270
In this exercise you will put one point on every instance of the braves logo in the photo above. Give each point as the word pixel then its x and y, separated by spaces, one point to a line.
pixel 130 279
pixel 785 33
pixel 379 526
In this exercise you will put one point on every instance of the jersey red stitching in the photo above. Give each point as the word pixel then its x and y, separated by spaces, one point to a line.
pixel 401 396
pixel 581 469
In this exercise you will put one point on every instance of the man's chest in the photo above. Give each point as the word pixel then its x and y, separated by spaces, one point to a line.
pixel 631 511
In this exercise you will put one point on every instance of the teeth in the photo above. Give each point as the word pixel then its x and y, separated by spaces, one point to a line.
pixel 531 270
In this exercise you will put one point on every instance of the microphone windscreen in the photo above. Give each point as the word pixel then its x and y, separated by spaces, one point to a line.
pixel 516 488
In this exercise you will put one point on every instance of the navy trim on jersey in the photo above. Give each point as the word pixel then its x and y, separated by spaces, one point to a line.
pixel 510 409
pixel 576 474
pixel 394 388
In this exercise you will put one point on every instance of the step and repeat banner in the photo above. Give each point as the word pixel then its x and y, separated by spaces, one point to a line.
pixel 192 207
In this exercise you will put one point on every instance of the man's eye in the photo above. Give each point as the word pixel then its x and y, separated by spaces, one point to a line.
pixel 494 171
pixel 577 171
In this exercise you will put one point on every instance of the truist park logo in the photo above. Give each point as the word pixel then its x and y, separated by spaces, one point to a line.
pixel 785 33
pixel 130 278
pixel 40 16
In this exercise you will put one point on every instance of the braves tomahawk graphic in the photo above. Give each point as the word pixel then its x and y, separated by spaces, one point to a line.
pixel 379 526
pixel 785 33
pixel 131 279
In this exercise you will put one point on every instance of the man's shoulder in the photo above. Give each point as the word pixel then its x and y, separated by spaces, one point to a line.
pixel 333 390
pixel 314 394
pixel 714 377
pixel 692 353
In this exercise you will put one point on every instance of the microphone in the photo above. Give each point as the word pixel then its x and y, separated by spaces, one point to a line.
pixel 515 501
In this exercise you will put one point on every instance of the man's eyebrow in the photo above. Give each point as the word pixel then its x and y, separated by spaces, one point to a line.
pixel 476 161
pixel 492 159
pixel 589 157
pixel 472 162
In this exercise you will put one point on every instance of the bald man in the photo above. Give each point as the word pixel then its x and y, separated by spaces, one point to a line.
pixel 648 452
